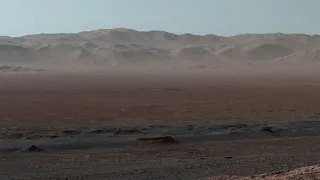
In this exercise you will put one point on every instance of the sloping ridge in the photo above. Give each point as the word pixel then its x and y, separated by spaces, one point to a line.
pixel 61 52
pixel 266 51
pixel 230 52
pixel 312 55
pixel 14 53
pixel 194 53
pixel 128 54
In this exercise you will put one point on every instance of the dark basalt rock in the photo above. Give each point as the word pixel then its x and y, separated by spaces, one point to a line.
pixel 15 135
pixel 32 148
pixel 159 140
pixel 267 129
pixel 272 131
pixel 71 132
pixel 127 131
pixel 190 127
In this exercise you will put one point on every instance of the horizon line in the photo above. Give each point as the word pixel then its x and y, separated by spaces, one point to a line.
pixel 165 31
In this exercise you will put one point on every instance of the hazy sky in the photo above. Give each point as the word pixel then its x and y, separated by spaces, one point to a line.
pixel 222 17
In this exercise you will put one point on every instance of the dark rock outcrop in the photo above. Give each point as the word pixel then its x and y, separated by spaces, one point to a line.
pixel 158 140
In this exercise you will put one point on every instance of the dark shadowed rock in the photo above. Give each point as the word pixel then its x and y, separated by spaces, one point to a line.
pixel 32 148
pixel 71 132
pixel 190 127
pixel 98 131
pixel 271 130
pixel 158 140
pixel 15 135
pixel 102 131
pixel 127 131
pixel 267 129
pixel 39 136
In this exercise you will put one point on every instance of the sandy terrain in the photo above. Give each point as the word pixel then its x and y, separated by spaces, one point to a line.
pixel 93 125
pixel 114 99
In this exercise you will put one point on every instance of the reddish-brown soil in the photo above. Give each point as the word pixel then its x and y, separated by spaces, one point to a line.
pixel 46 99
pixel 78 99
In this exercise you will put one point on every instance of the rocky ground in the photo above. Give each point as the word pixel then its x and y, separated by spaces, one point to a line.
pixel 165 160
pixel 305 173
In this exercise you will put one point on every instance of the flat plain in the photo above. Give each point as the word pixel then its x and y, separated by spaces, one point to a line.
pixel 77 106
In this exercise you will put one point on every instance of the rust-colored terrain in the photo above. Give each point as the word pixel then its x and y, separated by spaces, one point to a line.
pixel 88 125
pixel 110 99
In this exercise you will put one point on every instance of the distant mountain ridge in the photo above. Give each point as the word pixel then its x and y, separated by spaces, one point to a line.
pixel 120 46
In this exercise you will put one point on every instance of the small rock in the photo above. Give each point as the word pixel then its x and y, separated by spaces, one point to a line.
pixel 34 148
pixel 267 129
pixel 190 127
pixel 71 132
pixel 127 131
pixel 16 135
pixel 159 140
